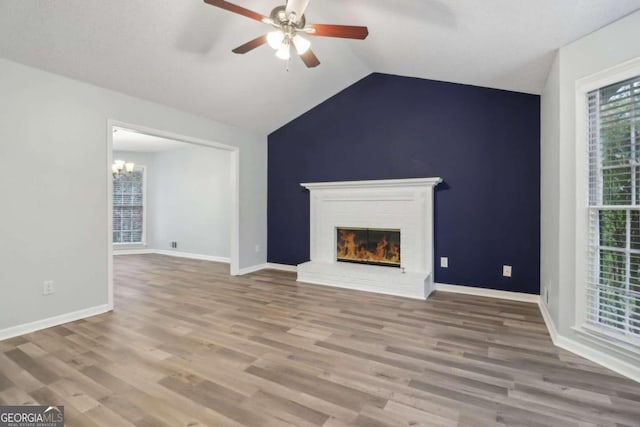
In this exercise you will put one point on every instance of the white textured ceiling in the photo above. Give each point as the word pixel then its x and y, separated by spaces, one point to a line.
pixel 178 52
pixel 128 140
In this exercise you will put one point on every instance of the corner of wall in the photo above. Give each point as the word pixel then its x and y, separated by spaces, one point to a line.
pixel 597 51
pixel 550 128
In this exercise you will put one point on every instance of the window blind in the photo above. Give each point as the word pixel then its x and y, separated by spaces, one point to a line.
pixel 613 289
pixel 128 207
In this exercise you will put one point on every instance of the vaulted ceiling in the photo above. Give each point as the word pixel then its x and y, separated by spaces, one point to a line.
pixel 178 52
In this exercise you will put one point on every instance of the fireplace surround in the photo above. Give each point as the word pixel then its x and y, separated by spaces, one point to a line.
pixel 405 205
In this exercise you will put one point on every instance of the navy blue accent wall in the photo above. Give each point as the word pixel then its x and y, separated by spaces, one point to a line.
pixel 484 143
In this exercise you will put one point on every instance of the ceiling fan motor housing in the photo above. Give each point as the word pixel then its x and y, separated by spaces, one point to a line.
pixel 280 19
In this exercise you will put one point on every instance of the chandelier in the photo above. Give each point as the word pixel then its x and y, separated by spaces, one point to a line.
pixel 120 166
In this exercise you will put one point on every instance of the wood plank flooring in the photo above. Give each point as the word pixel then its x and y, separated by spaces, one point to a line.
pixel 188 345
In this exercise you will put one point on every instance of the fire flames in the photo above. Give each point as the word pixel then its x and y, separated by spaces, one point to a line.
pixel 385 252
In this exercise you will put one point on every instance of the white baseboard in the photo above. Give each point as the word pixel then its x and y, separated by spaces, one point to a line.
pixel 252 269
pixel 493 293
pixel 469 290
pixel 132 251
pixel 594 355
pixel 281 267
pixel 192 256
pixel 27 328
pixel 551 327
pixel 267 266
pixel 172 253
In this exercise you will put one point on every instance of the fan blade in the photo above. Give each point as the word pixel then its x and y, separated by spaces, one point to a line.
pixel 296 6
pixel 342 31
pixel 249 46
pixel 237 9
pixel 310 59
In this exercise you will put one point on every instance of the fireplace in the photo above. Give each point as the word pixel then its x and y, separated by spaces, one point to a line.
pixel 395 209
pixel 373 246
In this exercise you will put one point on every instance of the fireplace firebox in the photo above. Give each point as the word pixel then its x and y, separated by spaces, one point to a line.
pixel 376 246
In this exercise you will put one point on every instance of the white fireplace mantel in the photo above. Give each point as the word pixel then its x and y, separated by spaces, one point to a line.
pixel 404 204
pixel 379 183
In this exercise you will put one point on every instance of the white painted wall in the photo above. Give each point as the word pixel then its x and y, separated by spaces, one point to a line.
pixel 549 178
pixel 53 219
pixel 188 199
pixel 140 159
pixel 598 51
pixel 191 201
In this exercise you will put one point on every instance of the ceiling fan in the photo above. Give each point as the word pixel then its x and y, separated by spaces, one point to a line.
pixel 289 21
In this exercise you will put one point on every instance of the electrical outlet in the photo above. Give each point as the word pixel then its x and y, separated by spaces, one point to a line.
pixel 174 245
pixel 444 262
pixel 506 270
pixel 47 287
pixel 257 248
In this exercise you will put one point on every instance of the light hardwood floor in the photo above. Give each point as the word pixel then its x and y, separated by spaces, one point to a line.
pixel 187 345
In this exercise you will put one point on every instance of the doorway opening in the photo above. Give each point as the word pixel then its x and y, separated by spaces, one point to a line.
pixel 170 194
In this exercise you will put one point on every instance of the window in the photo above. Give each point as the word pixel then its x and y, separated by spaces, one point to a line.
pixel 613 288
pixel 128 208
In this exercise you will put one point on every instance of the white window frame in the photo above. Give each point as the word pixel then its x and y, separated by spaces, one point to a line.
pixel 584 86
pixel 143 168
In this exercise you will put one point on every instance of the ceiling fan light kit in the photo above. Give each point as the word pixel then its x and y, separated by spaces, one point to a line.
pixel 279 41
pixel 284 51
pixel 289 20
pixel 301 44
pixel 275 38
